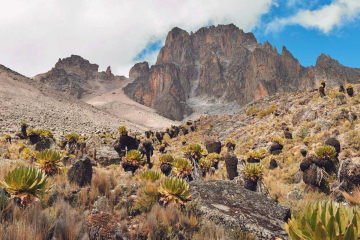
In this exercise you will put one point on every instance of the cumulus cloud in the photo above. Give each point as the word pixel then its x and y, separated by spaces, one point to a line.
pixel 34 34
pixel 325 18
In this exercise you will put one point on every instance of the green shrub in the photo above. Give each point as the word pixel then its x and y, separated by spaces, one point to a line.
pixel 134 156
pixel 214 157
pixel 256 154
pixel 182 167
pixel 325 220
pixel 166 158
pixel 251 111
pixel 72 137
pixel 195 150
pixel 122 130
pixel 267 111
pixel 253 170
pixel 325 152
pixel 151 175
pixel 205 164
pixel 174 190
pixel 49 160
pixel 25 182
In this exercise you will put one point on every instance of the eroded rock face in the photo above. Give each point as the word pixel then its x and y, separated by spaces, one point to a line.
pixel 139 69
pixel 226 64
pixel 163 88
pixel 71 75
pixel 232 206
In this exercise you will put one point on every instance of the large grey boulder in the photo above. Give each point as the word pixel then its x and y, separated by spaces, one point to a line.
pixel 232 206
pixel 81 171
pixel 45 143
pixel 106 155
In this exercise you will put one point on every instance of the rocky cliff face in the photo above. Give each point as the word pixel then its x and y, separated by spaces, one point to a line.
pixel 225 64
pixel 71 75
pixel 139 69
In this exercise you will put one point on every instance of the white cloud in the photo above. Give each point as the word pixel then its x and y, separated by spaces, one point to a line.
pixel 34 34
pixel 325 19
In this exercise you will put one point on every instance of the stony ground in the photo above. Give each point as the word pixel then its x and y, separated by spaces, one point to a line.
pixel 24 100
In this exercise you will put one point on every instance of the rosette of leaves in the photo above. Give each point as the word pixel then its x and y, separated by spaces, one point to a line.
pixel 26 183
pixel 256 155
pixel 194 150
pixel 48 160
pixel 307 140
pixel 133 160
pixel 28 154
pixel 322 83
pixel 174 190
pixel 253 171
pixel 326 152
pixel 205 164
pixel 6 138
pixel 122 130
pixel 278 140
pixel 151 175
pixel 32 132
pixel 230 144
pixel 325 220
pixel 182 167
pixel 349 89
pixel 213 157
pixel 166 158
pixel 44 133
pixel 72 138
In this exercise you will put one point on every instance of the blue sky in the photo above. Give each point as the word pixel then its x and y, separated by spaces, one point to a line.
pixel 306 43
pixel 119 33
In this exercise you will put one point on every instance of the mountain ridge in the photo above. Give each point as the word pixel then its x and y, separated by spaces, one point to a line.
pixel 226 65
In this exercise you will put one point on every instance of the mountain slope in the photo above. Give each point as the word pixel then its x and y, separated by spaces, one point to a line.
pixel 71 75
pixel 23 99
pixel 223 65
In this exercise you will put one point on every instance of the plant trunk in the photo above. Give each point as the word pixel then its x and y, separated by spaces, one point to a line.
pixel 251 184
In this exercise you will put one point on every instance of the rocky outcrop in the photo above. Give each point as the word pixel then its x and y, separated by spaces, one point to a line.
pixel 349 175
pixel 81 172
pixel 230 205
pixel 103 226
pixel 71 75
pixel 139 69
pixel 225 64
pixel 163 88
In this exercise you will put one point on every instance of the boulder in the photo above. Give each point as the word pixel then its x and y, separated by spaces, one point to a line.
pixel 287 134
pixel 213 146
pixel 103 226
pixel 106 155
pixel 349 175
pixel 45 143
pixel 276 148
pixel 230 205
pixel 273 164
pixel 81 171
